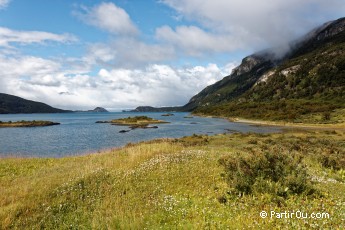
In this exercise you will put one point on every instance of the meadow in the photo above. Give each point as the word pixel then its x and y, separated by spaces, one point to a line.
pixel 198 182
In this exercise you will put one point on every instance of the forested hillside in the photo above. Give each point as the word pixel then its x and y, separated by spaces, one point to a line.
pixel 308 81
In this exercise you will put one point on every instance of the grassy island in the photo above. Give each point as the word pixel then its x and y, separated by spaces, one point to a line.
pixel 10 124
pixel 137 121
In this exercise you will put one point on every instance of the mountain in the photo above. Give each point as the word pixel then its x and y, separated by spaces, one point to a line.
pixel 156 109
pixel 99 110
pixel 310 78
pixel 14 104
pixel 241 79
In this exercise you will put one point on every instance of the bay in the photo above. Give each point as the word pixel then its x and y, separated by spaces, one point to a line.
pixel 79 133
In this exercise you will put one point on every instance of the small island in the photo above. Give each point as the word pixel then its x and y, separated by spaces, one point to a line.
pixel 135 122
pixel 10 124
pixel 168 115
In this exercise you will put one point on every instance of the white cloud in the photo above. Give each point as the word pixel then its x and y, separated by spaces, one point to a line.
pixel 27 66
pixel 128 53
pixel 8 36
pixel 109 17
pixel 157 85
pixel 4 3
pixel 194 41
pixel 20 72
pixel 256 24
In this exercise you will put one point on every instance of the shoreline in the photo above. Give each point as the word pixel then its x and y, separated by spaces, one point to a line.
pixel 340 126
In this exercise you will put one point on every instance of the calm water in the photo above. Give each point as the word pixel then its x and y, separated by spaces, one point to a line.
pixel 79 134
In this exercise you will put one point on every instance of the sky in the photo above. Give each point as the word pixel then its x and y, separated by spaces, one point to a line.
pixel 120 54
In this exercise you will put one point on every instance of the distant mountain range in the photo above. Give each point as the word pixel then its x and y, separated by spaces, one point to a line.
pixel 14 104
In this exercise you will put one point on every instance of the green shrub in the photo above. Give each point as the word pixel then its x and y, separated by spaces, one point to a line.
pixel 326 116
pixel 194 140
pixel 276 173
pixel 333 160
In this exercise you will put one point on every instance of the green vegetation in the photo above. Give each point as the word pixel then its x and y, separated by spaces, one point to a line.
pixel 318 75
pixel 297 111
pixel 137 121
pixel 197 182
pixel 278 174
pixel 309 88
pixel 9 124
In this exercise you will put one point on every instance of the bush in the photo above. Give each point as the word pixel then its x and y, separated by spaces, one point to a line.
pixel 279 174
pixel 194 140
pixel 333 160
pixel 326 116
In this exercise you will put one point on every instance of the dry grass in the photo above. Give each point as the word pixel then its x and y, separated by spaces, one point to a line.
pixel 167 184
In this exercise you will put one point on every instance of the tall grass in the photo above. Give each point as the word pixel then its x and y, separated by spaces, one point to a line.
pixel 177 184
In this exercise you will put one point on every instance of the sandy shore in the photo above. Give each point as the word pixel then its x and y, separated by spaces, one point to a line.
pixel 289 124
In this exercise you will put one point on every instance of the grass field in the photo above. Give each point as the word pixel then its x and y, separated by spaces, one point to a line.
pixel 197 182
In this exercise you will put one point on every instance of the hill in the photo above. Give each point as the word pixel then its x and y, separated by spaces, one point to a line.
pixel 308 82
pixel 99 110
pixel 14 104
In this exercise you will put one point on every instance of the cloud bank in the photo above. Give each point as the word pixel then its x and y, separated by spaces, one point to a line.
pixel 254 24
pixel 115 88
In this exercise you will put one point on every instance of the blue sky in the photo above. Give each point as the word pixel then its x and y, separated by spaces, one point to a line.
pixel 120 54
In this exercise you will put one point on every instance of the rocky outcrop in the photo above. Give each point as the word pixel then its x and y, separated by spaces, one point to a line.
pixel 248 63
pixel 331 29
pixel 265 77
